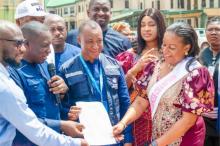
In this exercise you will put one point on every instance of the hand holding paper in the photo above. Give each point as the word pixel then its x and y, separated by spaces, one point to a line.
pixel 98 128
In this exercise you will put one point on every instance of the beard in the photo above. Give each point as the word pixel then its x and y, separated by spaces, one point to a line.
pixel 11 62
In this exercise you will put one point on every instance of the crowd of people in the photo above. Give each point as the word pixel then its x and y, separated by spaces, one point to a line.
pixel 158 88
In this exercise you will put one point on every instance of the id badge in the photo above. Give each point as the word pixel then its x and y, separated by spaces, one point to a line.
pixel 211 70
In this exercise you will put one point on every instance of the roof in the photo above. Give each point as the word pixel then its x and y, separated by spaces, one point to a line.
pixel 174 12
pixel 57 3
pixel 124 14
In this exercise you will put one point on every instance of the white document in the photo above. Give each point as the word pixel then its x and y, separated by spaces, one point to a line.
pixel 98 128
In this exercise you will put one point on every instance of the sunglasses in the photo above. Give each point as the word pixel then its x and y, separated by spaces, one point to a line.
pixel 18 43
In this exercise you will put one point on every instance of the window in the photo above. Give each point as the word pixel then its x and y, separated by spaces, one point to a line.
pixel 211 3
pixel 188 4
pixel 171 4
pixel 158 4
pixel 72 25
pixel 111 2
pixel 72 10
pixel 79 9
pixel 61 12
pixel 218 3
pixel 52 12
pixel 126 3
pixel 181 4
pixel 65 11
pixel 152 4
pixel 141 5
pixel 196 4
pixel 203 3
pixel 189 21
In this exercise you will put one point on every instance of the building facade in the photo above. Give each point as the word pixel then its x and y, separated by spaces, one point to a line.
pixel 8 7
pixel 73 11
pixel 195 12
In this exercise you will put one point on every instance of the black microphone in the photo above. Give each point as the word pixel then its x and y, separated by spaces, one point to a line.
pixel 52 72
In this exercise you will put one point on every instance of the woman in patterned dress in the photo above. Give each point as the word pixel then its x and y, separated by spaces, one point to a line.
pixel 178 91
pixel 151 28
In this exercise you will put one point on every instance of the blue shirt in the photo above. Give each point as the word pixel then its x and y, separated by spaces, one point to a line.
pixel 15 113
pixel 43 103
pixel 114 42
pixel 81 89
pixel 69 52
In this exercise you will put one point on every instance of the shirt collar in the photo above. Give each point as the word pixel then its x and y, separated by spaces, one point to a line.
pixel 4 70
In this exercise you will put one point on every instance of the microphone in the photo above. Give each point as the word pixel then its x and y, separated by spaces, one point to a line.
pixel 52 72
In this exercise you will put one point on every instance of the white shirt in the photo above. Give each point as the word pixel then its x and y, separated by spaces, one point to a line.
pixel 15 113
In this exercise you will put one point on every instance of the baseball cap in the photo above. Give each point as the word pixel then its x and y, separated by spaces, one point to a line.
pixel 29 8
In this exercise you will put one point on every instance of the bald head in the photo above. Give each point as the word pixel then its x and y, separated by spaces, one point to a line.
pixel 33 29
pixel 89 23
pixel 11 40
pixel 38 41
pixel 8 29
pixel 53 18
pixel 58 30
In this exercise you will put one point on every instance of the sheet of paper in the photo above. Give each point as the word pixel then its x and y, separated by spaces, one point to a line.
pixel 98 128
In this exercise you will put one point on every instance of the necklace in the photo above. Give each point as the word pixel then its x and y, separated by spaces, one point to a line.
pixel 164 69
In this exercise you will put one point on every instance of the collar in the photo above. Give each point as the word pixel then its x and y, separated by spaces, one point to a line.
pixel 4 70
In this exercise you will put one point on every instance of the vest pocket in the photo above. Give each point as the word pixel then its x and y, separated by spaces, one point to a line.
pixel 78 86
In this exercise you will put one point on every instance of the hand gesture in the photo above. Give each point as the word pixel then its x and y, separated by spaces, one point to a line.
pixel 72 129
pixel 57 85
pixel 74 113
pixel 117 130
pixel 147 57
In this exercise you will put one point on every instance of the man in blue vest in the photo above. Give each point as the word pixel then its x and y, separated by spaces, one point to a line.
pixel 94 76
pixel 38 85
pixel 14 112
pixel 114 42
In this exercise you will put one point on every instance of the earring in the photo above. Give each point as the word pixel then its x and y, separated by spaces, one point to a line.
pixel 186 53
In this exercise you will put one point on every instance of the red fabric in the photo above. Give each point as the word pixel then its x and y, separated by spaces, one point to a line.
pixel 142 127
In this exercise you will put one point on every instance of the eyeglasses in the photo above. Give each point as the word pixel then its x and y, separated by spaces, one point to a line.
pixel 18 43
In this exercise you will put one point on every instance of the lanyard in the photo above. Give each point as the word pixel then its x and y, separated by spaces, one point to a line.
pixel 94 83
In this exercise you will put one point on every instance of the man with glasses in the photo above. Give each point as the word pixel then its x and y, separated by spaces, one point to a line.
pixel 210 57
pixel 14 112
pixel 63 51
pixel 39 86
pixel 114 42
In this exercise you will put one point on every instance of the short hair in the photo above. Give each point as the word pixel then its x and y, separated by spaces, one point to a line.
pixel 91 2
pixel 6 26
pixel 188 35
pixel 53 18
pixel 215 19
pixel 33 29
pixel 161 27
pixel 91 23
